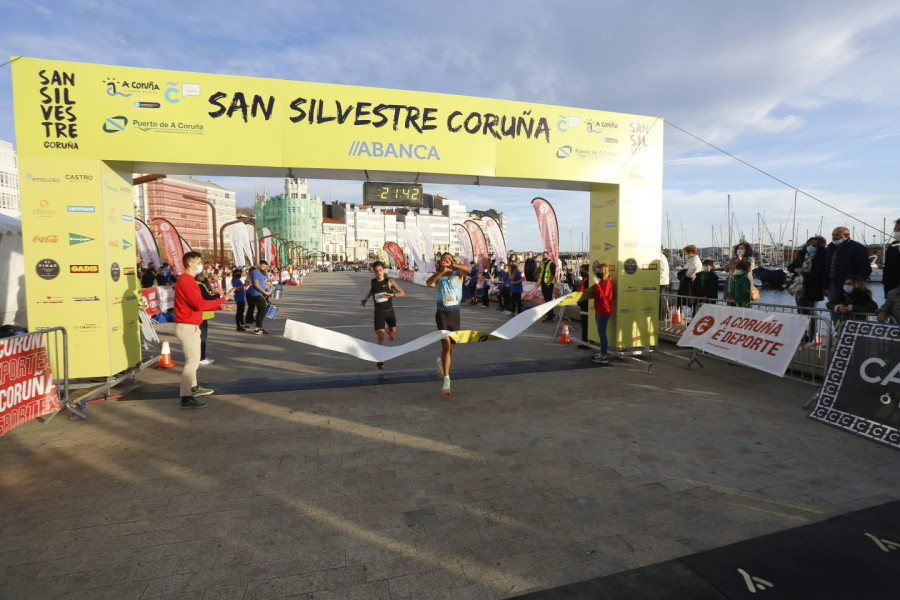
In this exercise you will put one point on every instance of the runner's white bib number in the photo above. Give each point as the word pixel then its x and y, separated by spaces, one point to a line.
pixel 451 300
pixel 381 297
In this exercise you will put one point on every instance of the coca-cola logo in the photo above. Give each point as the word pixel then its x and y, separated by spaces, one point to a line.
pixel 45 239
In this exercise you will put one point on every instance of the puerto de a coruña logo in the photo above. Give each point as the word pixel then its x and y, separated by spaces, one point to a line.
pixel 115 124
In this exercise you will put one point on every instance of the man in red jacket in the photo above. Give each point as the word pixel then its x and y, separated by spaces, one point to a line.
pixel 189 307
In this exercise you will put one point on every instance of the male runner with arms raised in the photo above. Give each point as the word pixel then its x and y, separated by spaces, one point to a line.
pixel 448 279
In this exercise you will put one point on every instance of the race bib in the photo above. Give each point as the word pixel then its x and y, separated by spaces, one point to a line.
pixel 451 300
pixel 381 297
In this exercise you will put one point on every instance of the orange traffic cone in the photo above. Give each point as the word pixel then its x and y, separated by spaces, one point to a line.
pixel 165 357
pixel 564 338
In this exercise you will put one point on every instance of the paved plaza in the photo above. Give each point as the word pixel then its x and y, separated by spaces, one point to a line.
pixel 315 475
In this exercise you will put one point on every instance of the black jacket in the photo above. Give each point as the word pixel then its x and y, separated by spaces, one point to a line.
pixel 850 258
pixel 814 281
pixel 891 267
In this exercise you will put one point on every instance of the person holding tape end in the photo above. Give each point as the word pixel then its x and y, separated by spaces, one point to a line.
pixel 189 307
pixel 383 289
pixel 448 279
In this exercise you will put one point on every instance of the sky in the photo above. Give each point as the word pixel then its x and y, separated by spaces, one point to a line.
pixel 801 96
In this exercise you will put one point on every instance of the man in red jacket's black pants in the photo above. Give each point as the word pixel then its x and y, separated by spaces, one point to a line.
pixel 189 307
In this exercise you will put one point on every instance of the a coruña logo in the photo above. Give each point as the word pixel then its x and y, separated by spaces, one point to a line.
pixel 703 324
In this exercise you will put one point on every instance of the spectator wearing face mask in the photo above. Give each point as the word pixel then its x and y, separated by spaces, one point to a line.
pixel 808 281
pixel 853 302
pixel 740 284
pixel 742 252
pixel 709 281
pixel 845 258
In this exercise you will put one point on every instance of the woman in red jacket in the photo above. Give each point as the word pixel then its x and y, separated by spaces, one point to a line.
pixel 603 295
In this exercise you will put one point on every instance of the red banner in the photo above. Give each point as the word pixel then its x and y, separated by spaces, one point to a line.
pixel 151 297
pixel 396 253
pixel 465 243
pixel 479 244
pixel 172 243
pixel 549 227
pixel 26 382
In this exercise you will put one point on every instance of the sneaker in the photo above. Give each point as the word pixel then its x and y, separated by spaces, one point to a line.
pixel 207 361
pixel 200 391
pixel 440 368
pixel 260 331
pixel 191 402
pixel 380 365
pixel 600 359
pixel 446 388
pixel 390 335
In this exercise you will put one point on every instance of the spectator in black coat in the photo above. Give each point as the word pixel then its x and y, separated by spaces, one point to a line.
pixel 892 261
pixel 808 281
pixel 709 281
pixel 845 258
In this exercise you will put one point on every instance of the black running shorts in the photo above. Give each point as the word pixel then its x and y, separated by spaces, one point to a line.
pixel 448 321
pixel 385 317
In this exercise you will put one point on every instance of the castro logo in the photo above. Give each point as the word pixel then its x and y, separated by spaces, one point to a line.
pixel 703 324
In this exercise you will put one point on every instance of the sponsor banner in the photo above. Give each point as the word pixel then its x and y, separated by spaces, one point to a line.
pixel 424 228
pixel 166 297
pixel 861 391
pixel 479 244
pixel 146 244
pixel 250 249
pixel 763 340
pixel 465 243
pixel 151 300
pixel 185 247
pixel 411 242
pixel 27 390
pixel 236 233
pixel 172 244
pixel 549 228
pixel 422 242
pixel 396 253
pixel 496 237
pixel 95 111
pixel 265 245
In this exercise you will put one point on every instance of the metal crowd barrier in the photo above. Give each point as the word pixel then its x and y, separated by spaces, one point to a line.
pixel 56 340
pixel 810 361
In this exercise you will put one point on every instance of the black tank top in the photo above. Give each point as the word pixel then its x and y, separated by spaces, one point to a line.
pixel 379 288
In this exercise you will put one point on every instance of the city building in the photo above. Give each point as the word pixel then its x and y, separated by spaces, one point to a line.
pixel 368 228
pixel 334 240
pixel 182 201
pixel 9 181
pixel 294 215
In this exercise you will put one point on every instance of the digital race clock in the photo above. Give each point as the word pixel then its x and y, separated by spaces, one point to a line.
pixel 392 194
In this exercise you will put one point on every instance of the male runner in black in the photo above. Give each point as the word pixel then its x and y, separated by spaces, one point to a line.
pixel 383 289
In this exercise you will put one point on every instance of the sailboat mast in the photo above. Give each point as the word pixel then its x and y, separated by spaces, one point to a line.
pixel 794 234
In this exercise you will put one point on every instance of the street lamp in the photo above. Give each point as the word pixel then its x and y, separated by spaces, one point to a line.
pixel 246 221
pixel 212 209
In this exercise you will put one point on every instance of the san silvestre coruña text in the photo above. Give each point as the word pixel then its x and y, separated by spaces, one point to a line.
pixel 319 111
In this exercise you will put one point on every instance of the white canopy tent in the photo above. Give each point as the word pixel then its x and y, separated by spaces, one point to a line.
pixel 12 274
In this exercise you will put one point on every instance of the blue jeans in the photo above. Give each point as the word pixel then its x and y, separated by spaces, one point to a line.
pixel 602 322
